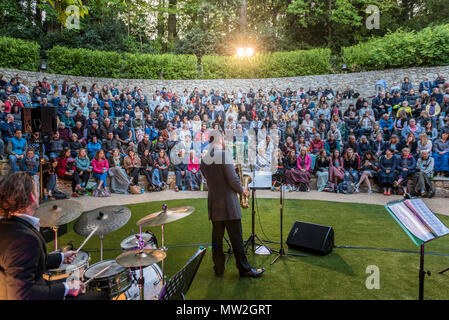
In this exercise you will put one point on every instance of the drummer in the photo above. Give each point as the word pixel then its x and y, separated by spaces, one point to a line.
pixel 23 253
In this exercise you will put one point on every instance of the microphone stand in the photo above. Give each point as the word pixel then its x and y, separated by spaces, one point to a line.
pixel 281 252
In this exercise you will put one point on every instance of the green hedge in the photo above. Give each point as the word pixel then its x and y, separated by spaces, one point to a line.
pixel 93 63
pixel 275 65
pixel 428 47
pixel 85 62
pixel 19 54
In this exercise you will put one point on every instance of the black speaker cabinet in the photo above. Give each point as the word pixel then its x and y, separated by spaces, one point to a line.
pixel 311 237
pixel 40 119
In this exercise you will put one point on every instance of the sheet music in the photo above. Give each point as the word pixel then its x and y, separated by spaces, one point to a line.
pixel 411 222
pixel 261 180
pixel 428 217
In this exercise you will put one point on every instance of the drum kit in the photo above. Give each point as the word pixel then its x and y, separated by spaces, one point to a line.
pixel 133 275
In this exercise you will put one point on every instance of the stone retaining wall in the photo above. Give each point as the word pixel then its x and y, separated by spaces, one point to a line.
pixel 363 82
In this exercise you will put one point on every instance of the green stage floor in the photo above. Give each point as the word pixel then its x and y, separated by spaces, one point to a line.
pixel 340 275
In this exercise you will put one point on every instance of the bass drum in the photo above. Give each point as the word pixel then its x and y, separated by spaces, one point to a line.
pixel 67 272
pixel 152 287
pixel 114 281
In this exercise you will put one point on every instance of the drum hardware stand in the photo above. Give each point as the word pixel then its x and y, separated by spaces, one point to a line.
pixel 281 252
pixel 164 209
pixel 101 247
pixel 55 229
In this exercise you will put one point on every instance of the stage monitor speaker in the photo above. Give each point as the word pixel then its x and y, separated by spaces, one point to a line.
pixel 311 237
pixel 40 119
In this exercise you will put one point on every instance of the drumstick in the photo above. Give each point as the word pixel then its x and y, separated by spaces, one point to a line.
pixel 91 234
pixel 98 274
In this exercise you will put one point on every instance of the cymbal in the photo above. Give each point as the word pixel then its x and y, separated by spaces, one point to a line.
pixel 107 219
pixel 138 258
pixel 164 217
pixel 58 212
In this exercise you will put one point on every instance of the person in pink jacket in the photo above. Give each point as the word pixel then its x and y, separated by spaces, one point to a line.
pixel 300 176
pixel 100 168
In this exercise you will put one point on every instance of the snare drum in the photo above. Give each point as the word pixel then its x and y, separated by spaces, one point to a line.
pixel 132 242
pixel 114 281
pixel 70 271
pixel 152 287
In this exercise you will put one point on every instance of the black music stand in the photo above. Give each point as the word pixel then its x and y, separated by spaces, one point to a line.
pixel 281 252
pixel 253 237
pixel 412 212
pixel 177 287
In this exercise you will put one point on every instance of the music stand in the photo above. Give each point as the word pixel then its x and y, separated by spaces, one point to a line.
pixel 177 287
pixel 261 181
pixel 420 224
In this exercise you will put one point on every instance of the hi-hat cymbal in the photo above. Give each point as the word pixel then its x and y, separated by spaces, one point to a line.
pixel 141 258
pixel 58 213
pixel 107 219
pixel 163 217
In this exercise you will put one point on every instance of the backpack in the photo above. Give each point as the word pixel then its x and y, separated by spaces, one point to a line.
pixel 58 195
pixel 330 187
pixel 346 187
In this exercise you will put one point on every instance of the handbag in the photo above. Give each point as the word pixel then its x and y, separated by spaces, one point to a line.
pixel 135 190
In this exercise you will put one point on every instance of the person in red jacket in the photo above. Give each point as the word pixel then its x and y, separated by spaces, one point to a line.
pixel 66 170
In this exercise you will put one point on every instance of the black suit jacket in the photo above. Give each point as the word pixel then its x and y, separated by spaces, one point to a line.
pixel 23 261
pixel 223 184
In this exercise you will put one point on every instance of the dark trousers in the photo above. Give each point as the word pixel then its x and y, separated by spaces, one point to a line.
pixel 84 178
pixel 75 178
pixel 234 228
pixel 134 174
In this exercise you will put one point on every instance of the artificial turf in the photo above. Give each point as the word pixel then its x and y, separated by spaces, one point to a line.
pixel 339 275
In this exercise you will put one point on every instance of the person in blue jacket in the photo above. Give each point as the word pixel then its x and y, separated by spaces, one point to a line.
pixel 406 168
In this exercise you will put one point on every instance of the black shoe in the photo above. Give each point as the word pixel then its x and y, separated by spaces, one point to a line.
pixel 219 271
pixel 253 273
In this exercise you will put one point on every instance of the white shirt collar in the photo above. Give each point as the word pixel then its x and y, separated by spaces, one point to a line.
pixel 35 222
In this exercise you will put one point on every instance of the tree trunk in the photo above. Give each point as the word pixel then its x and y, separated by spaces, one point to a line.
pixel 244 17
pixel 172 21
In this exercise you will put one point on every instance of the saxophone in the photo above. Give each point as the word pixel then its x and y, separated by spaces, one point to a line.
pixel 245 180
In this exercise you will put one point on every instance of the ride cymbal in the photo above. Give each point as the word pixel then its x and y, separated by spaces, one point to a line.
pixel 58 213
pixel 164 217
pixel 107 219
pixel 141 258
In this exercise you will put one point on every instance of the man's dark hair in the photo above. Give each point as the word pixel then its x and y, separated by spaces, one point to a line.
pixel 15 193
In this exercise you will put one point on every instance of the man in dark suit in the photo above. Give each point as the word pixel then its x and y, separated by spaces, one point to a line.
pixel 23 254
pixel 224 206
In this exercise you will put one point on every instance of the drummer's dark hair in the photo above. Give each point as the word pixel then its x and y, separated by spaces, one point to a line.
pixel 15 193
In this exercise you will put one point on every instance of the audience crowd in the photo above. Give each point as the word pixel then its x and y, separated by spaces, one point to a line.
pixel 115 135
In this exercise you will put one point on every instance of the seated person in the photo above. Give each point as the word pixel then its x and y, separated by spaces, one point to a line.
pixel 193 172
pixel 83 167
pixel 55 145
pixel 369 168
pixel 147 167
pixel 119 179
pixel 123 133
pixel 132 165
pixel 322 170
pixel 161 164
pixel 424 171
pixel 30 165
pixel 100 168
pixel 441 154
pixel 351 164
pixel 16 150
pixel 406 168
pixel 181 170
pixel 67 171
pixel 93 146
